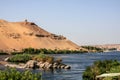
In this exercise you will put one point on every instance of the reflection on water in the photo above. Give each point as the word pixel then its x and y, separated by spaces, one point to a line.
pixel 78 62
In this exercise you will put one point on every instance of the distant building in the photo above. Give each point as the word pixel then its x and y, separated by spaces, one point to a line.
pixel 26 21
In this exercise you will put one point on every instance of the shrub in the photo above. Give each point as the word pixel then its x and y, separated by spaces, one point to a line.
pixel 14 53
pixel 115 69
pixel 92 48
pixel 13 74
pixel 31 51
pixel 20 58
pixel 59 60
pixel 23 58
pixel 100 67
pixel 49 51
pixel 43 58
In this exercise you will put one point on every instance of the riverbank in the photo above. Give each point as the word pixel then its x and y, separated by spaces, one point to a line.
pixel 84 49
pixel 2 62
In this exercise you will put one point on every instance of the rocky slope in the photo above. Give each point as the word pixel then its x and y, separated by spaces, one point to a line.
pixel 19 35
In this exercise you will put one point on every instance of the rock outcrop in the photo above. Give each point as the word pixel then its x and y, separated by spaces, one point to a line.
pixel 31 64
pixel 39 65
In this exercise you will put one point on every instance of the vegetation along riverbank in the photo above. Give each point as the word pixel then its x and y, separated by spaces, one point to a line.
pixel 41 61
pixel 84 49
pixel 105 67
pixel 13 74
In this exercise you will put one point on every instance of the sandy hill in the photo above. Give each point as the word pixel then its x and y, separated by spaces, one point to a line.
pixel 19 35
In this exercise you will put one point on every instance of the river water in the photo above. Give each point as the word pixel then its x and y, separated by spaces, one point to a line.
pixel 78 63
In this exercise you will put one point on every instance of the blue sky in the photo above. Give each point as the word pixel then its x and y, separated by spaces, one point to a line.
pixel 85 22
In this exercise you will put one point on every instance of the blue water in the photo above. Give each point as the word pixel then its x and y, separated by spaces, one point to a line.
pixel 78 62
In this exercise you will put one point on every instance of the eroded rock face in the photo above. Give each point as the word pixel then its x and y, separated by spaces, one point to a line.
pixel 55 65
pixel 46 65
pixel 14 66
pixel 31 64
pixel 62 66
pixel 6 59
pixel 67 67
pixel 41 65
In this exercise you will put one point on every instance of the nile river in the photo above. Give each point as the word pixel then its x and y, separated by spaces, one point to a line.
pixel 78 62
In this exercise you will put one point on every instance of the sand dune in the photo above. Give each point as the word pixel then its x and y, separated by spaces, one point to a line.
pixel 19 35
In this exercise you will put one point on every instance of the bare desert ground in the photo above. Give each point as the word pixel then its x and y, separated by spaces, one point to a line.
pixel 24 34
